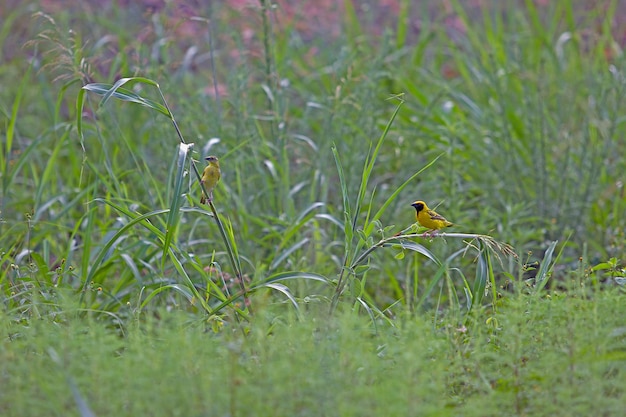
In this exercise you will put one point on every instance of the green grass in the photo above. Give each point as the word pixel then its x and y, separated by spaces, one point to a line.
pixel 292 293
pixel 558 356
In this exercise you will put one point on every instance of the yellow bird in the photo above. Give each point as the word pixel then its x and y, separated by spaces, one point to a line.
pixel 210 177
pixel 429 218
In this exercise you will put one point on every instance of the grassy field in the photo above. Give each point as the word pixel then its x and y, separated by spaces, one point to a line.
pixel 305 288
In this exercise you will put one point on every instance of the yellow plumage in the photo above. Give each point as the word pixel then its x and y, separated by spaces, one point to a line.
pixel 429 218
pixel 210 177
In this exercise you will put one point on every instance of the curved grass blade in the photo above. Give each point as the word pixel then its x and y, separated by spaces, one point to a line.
pixel 139 220
pixel 291 275
pixel 135 219
pixel 176 287
pixel 285 290
pixel 279 259
pixel 369 311
pixel 416 247
pixel 117 91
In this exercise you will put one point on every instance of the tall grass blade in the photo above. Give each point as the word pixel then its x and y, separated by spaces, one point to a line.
pixel 369 227
pixel 173 216
pixel 481 278
pixel 10 128
pixel 51 166
pixel 369 164
pixel 434 281
pixel 348 228
pixel 545 268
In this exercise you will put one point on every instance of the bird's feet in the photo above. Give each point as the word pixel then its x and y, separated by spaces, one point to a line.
pixel 206 200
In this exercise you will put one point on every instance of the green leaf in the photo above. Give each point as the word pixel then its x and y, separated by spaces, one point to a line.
pixel 291 275
pixel 348 228
pixel 173 216
pixel 116 91
pixel 369 167
pixel 361 269
pixel 602 266
pixel 545 268
pixel 480 281
pixel 356 288
pixel 285 290
pixel 416 247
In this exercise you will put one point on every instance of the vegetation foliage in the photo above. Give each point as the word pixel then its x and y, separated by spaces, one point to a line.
pixel 305 282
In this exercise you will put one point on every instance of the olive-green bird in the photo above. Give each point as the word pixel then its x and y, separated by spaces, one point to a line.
pixel 210 177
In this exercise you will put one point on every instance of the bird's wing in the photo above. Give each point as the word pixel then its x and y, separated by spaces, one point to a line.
pixel 435 216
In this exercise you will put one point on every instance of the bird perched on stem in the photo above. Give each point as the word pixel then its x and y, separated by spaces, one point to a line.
pixel 210 177
pixel 429 218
